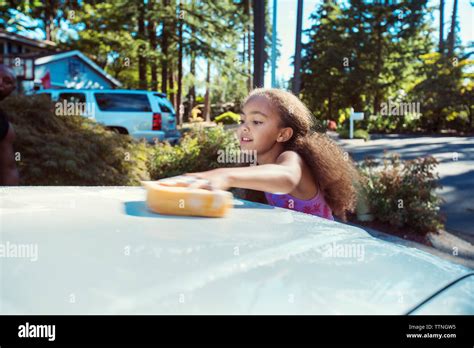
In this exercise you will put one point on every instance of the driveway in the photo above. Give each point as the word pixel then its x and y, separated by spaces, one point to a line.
pixel 456 170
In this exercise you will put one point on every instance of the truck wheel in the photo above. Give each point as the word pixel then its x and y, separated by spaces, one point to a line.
pixel 119 130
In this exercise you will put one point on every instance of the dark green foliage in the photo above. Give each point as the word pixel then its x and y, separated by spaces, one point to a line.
pixel 197 151
pixel 402 193
pixel 362 54
pixel 393 124
pixel 446 93
pixel 71 150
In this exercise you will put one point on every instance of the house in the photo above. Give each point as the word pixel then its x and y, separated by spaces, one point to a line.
pixel 11 43
pixel 72 70
pixel 39 64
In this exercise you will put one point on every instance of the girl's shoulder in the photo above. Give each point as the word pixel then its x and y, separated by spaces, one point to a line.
pixel 289 156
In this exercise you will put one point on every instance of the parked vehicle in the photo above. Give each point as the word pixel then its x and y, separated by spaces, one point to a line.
pixel 141 114
pixel 122 259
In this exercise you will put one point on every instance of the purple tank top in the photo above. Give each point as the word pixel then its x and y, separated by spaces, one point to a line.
pixel 315 206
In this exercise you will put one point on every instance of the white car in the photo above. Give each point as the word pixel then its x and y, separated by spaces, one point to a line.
pixel 141 114
pixel 103 247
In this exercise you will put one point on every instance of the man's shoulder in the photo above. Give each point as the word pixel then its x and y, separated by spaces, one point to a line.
pixel 5 127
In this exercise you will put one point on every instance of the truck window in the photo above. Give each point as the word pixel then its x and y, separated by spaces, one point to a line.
pixel 163 106
pixel 123 102
pixel 71 97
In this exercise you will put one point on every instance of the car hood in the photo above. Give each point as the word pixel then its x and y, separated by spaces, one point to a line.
pixel 102 247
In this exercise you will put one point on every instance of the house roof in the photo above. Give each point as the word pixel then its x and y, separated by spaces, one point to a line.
pixel 26 40
pixel 63 55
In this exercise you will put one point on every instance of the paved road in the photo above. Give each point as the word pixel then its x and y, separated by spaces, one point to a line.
pixel 456 170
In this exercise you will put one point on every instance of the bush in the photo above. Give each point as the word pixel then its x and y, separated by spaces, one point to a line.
pixel 402 193
pixel 381 124
pixel 358 134
pixel 393 124
pixel 228 117
pixel 197 151
pixel 71 150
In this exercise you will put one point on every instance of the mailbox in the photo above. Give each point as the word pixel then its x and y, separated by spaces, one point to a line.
pixel 355 116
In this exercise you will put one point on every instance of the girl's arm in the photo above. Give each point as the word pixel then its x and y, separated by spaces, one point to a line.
pixel 281 177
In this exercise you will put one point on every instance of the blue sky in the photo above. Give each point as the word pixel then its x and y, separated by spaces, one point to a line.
pixel 286 26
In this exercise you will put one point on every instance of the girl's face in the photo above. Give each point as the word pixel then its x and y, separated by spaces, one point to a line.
pixel 260 126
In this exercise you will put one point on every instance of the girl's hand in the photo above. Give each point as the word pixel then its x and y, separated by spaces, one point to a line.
pixel 216 179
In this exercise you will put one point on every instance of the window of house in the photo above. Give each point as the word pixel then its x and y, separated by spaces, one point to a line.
pixel 75 67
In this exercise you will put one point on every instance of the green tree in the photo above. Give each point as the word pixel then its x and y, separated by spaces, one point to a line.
pixel 361 53
pixel 145 44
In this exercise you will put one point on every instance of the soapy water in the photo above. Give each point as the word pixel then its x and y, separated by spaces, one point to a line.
pixel 187 181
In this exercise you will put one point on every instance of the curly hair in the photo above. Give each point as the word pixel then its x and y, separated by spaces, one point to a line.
pixel 333 170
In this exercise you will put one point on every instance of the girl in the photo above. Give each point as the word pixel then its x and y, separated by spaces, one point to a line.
pixel 297 168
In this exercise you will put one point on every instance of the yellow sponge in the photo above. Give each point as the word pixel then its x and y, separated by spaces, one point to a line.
pixel 176 196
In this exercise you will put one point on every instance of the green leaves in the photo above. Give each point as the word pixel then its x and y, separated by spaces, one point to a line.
pixel 71 150
pixel 197 151
pixel 402 193
pixel 360 54
pixel 444 92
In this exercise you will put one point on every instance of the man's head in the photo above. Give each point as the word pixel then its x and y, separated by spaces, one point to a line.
pixel 7 81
